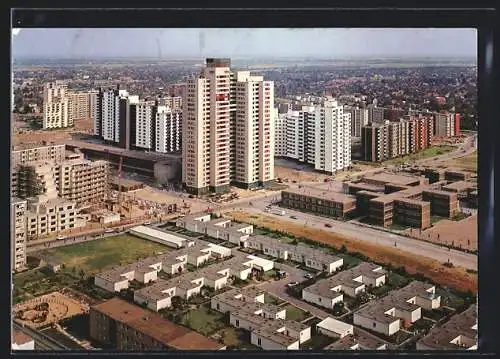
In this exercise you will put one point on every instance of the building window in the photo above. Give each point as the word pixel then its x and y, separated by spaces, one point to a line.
pixel 259 341
pixel 237 323
pixel 374 324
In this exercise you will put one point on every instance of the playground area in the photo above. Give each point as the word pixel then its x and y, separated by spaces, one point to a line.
pixel 47 309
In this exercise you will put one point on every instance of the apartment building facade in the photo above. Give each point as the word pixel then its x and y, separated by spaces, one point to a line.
pixel 78 105
pixel 27 154
pixel 83 181
pixel 168 130
pixel 46 217
pixel 227 130
pixel 55 106
pixel 18 208
pixel 319 135
pixel 445 125
pixel 36 179
pixel 113 122
pixel 318 201
pixel 142 125
pixel 359 118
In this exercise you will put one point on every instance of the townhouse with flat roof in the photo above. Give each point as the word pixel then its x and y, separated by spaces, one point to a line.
pixel 399 309
pixel 266 323
pixel 351 282
pixel 359 340
pixel 302 253
pixel 125 326
pixel 146 270
pixel 216 276
pixel 460 332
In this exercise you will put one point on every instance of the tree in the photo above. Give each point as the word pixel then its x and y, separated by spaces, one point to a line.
pixel 177 302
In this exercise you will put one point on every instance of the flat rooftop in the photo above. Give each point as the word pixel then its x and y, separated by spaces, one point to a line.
pixel 160 235
pixel 148 156
pixel 463 324
pixel 460 186
pixel 322 194
pixel 155 326
pixel 397 179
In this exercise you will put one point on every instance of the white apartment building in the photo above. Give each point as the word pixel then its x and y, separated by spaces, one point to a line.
pixel 36 179
pixel 359 118
pixel 216 149
pixel 168 130
pixel 50 216
pixel 280 135
pixel 319 135
pixel 173 102
pixel 55 106
pixel 83 181
pixel 254 130
pixel 143 114
pixel 114 121
pixel 18 209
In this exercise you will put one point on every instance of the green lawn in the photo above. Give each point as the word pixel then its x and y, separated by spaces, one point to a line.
pixel 393 281
pixel 204 320
pixel 269 299
pixel 317 342
pixel 97 255
pixel 235 338
pixel 428 152
pixel 349 261
pixel 294 313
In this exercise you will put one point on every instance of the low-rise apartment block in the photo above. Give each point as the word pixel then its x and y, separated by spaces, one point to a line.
pixel 266 322
pixel 301 253
pixel 443 203
pixel 463 189
pixel 334 328
pixel 360 340
pixel 399 309
pixel 318 201
pixel 47 217
pixel 37 152
pixel 83 181
pixel 452 175
pixel 241 234
pixel 216 276
pixel 327 292
pixel 125 326
pixel 460 332
pixel 146 270
pixel 18 208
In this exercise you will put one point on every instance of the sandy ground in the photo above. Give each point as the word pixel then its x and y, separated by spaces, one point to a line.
pixel 60 307
pixel 461 234
pixel 456 277
pixel 37 136
pixel 159 196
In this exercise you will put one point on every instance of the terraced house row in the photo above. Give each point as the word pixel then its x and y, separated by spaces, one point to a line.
pixel 267 323
pixel 241 234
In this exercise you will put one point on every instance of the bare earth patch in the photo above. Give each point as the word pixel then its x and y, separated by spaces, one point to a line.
pixel 459 234
pixel 456 277
pixel 47 309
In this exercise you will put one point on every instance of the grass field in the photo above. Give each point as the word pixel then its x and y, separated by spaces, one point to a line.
pixel 294 313
pixel 467 163
pixel 269 299
pixel 237 338
pixel 94 256
pixel 204 320
pixel 428 152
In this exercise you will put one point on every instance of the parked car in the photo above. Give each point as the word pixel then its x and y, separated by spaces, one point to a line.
pixel 292 284
pixel 109 230
pixel 61 238
pixel 328 225
pixel 293 217
pixel 147 223
pixel 308 276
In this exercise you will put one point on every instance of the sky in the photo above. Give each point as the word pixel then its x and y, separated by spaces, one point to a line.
pixel 243 43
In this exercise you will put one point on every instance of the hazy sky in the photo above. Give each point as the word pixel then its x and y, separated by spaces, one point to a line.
pixel 237 43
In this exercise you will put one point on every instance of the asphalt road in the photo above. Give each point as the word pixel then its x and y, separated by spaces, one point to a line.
pixel 375 236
